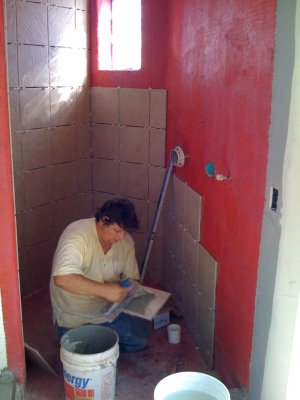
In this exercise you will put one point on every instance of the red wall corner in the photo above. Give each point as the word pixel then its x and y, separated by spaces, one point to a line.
pixel 9 279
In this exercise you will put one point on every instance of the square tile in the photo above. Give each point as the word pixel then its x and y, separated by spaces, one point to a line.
pixel 82 31
pixel 140 242
pixel 84 138
pixel 105 105
pixel 106 175
pixel 61 26
pixel 40 254
pixel 63 3
pixel 176 197
pixel 134 107
pixel 14 109
pixel 134 180
pixel 62 62
pixel 35 108
pixel 155 264
pixel 21 230
pixel 64 144
pixel 134 144
pixel 65 180
pixel 33 66
pixel 84 173
pixel 81 76
pixel 16 145
pixel 82 4
pixel 40 224
pixel 157 147
pixel 189 300
pixel 19 192
pixel 83 106
pixel 38 187
pixel 192 216
pixel 207 276
pixel 63 105
pixel 156 177
pixel 141 209
pixel 158 108
pixel 32 23
pixel 160 226
pixel 177 279
pixel 36 149
pixel 99 198
pixel 12 65
pixel 190 257
pixel 106 141
pixel 11 18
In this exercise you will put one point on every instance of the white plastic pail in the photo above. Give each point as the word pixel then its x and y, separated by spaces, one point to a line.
pixel 191 386
pixel 89 355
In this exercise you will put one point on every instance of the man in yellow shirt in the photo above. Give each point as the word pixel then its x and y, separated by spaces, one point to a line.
pixel 90 257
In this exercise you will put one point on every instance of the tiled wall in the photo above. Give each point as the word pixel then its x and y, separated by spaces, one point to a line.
pixel 190 272
pixel 50 123
pixel 128 142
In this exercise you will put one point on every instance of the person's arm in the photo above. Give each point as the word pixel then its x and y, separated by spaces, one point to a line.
pixel 79 284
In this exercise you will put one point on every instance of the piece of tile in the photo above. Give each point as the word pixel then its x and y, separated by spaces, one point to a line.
pixel 176 197
pixel 134 144
pixel 64 144
pixel 62 3
pixel 40 262
pixel 14 109
pixel 40 224
pixel 134 107
pixel 35 108
pixel 106 140
pixel 84 141
pixel 192 215
pixel 61 26
pixel 33 66
pixel 36 149
pixel 106 175
pixel 32 23
pixel 84 173
pixel 12 65
pixel 38 187
pixel 141 209
pixel 158 108
pixel 177 277
pixel 62 62
pixel 18 184
pixel 16 146
pixel 83 106
pixel 82 32
pixel 65 180
pixel 169 221
pixel 155 264
pixel 160 226
pixel 11 21
pixel 82 4
pixel 134 180
pixel 157 147
pixel 105 105
pixel 63 105
pixel 81 59
pixel 140 242
pixel 99 198
pixel 174 234
pixel 21 230
pixel 156 177
pixel 189 300
pixel 207 276
pixel 190 257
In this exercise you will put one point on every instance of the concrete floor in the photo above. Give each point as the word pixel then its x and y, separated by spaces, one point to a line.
pixel 137 374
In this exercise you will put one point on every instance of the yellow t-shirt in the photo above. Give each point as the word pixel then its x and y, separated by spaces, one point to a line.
pixel 80 252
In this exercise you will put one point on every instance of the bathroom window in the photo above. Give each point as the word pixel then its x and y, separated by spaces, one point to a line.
pixel 119 35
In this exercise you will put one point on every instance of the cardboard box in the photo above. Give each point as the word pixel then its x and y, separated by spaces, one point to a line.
pixel 161 319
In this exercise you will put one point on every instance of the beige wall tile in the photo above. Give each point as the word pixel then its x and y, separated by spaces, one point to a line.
pixel 160 226
pixel 16 145
pixel 63 106
pixel 207 276
pixel 14 109
pixel 61 66
pixel 32 23
pixel 33 66
pixel 65 180
pixel 156 176
pixel 83 104
pixel 82 29
pixel 106 175
pixel 62 3
pixel 176 198
pixel 40 262
pixel 38 187
pixel 36 148
pixel 82 4
pixel 134 180
pixel 11 21
pixel 155 263
pixel 190 257
pixel 134 107
pixel 106 141
pixel 39 224
pixel 64 144
pixel 189 300
pixel 105 105
pixel 19 192
pixel 84 136
pixel 21 230
pixel 12 65
pixel 158 108
pixel 140 241
pixel 81 58
pixel 99 198
pixel 157 147
pixel 61 26
pixel 84 173
pixel 35 108
pixel 192 216
pixel 177 277
pixel 141 209
pixel 134 144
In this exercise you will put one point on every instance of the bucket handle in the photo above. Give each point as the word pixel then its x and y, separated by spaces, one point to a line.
pixel 114 365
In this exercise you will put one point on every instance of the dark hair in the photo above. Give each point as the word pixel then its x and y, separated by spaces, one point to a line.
pixel 118 211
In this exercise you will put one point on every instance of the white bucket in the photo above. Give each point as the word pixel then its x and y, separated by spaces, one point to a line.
pixel 190 386
pixel 89 355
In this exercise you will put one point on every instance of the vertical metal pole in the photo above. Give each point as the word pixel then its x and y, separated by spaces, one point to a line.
pixel 156 218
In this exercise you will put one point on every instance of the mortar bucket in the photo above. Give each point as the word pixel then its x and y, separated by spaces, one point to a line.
pixel 89 355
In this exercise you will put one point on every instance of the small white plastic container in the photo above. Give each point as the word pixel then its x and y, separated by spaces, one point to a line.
pixel 174 333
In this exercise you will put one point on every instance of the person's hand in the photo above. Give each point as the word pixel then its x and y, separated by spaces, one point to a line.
pixel 114 292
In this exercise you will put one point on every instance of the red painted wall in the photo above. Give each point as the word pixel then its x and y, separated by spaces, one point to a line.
pixel 217 64
pixel 9 283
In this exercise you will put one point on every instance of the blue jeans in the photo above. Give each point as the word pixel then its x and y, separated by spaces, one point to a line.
pixel 132 331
